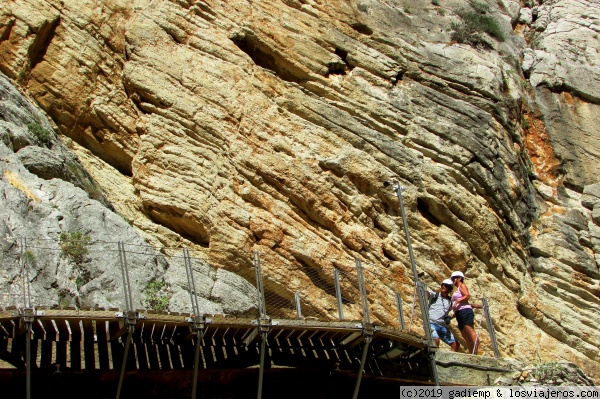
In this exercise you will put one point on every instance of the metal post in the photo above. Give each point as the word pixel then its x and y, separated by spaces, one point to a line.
pixel 490 325
pixel 199 336
pixel 398 190
pixel 129 316
pixel 125 276
pixel 436 378
pixel 23 271
pixel 261 370
pixel 191 282
pixel 259 285
pixel 198 320
pixel 423 302
pixel 298 305
pixel 338 292
pixel 363 292
pixel 127 345
pixel 400 310
pixel 423 305
pixel 363 359
pixel 28 315
pixel 28 360
pixel 264 323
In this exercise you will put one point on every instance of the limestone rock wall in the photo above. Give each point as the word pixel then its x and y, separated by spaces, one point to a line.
pixel 271 125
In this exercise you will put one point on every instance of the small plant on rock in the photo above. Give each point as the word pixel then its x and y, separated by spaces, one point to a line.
pixel 474 23
pixel 155 296
pixel 41 134
pixel 74 245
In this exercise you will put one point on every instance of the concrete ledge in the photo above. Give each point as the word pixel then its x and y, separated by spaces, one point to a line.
pixel 464 369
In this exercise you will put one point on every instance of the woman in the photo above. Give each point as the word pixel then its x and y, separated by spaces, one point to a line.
pixel 464 312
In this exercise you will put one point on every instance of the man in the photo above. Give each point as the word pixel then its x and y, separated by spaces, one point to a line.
pixel 439 306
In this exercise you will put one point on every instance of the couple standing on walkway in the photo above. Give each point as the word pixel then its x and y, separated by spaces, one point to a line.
pixel 440 305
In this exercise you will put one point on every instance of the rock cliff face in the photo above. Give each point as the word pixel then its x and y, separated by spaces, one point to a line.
pixel 270 125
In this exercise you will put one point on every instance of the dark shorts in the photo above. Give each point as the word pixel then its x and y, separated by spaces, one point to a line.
pixel 465 317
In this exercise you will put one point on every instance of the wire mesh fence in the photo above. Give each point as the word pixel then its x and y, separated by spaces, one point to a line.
pixel 72 271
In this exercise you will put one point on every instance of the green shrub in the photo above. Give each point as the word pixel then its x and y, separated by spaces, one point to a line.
pixel 41 134
pixel 155 296
pixel 74 245
pixel 435 2
pixel 474 22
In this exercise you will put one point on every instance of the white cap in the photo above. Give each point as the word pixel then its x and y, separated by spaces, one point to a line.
pixel 457 274
pixel 447 282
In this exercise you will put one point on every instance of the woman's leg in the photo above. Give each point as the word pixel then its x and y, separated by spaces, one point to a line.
pixel 468 333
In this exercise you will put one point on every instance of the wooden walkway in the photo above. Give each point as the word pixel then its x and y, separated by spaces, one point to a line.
pixel 94 339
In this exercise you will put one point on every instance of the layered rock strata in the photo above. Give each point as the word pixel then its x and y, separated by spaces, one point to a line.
pixel 234 127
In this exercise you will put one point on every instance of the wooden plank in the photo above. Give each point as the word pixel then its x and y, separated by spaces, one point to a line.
pixel 63 331
pixel 141 355
pixel 75 354
pixel 131 356
pixel 147 332
pixel 180 334
pixel 61 354
pixel 88 344
pixel 9 327
pixel 34 353
pixel 116 347
pixel 153 358
pixel 188 352
pixel 38 330
pixel 51 333
pixel 102 339
pixel 163 355
pixel 239 358
pixel 18 348
pixel 75 326
pixel 168 332
pixel 3 343
pixel 47 356
pixel 175 353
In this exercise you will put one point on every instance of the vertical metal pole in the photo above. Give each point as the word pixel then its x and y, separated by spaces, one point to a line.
pixel 363 359
pixel 123 274
pixel 490 324
pixel 398 190
pixel 259 286
pixel 338 292
pixel 363 291
pixel 191 283
pixel 261 370
pixel 127 345
pixel 28 361
pixel 433 364
pixel 199 336
pixel 27 317
pixel 263 317
pixel 27 268
pixel 422 293
pixel 400 310
pixel 127 276
pixel 23 271
pixel 298 305
pixel 197 317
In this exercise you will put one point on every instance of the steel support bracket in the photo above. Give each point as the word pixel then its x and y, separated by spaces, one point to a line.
pixel 198 322
pixel 369 329
pixel 28 315
pixel 264 324
pixel 130 317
